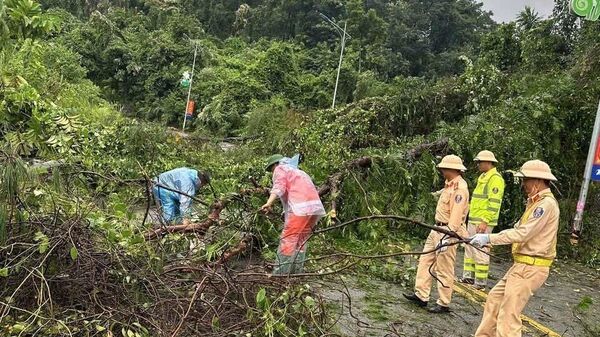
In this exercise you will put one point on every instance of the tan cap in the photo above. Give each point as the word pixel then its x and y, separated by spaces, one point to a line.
pixel 452 162
pixel 536 169
pixel 486 155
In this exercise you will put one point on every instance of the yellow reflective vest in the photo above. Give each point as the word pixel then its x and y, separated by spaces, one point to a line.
pixel 487 198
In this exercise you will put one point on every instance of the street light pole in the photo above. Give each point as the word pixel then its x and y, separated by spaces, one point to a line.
pixel 343 35
pixel 190 88
pixel 337 79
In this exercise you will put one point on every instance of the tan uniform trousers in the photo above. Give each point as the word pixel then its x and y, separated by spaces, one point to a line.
pixel 443 268
pixel 506 301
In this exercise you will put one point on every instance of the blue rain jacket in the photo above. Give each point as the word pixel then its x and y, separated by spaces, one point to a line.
pixel 175 205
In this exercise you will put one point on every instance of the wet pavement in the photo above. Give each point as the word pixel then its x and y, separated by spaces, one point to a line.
pixel 567 305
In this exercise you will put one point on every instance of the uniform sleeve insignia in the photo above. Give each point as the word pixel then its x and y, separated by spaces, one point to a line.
pixel 495 190
pixel 538 212
pixel 458 198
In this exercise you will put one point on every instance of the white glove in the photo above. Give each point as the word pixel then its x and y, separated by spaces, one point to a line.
pixel 443 246
pixel 479 240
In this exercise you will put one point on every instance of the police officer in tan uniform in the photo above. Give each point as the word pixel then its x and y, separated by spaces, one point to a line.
pixel 450 214
pixel 533 242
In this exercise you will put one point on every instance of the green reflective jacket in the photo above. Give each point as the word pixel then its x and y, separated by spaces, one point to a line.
pixel 487 198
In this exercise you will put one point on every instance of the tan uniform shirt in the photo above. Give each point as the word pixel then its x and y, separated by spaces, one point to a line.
pixel 453 204
pixel 535 234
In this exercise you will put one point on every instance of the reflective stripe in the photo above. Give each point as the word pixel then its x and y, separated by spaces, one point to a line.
pixel 468 267
pixel 481 275
pixel 477 221
pixel 479 196
pixel 482 267
pixel 469 260
pixel 532 260
pixel 498 201
pixel 493 209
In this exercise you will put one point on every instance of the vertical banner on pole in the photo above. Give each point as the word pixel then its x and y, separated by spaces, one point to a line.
pixel 189 111
pixel 596 165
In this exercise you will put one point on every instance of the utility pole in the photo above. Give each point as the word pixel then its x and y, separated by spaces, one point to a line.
pixel 190 88
pixel 343 34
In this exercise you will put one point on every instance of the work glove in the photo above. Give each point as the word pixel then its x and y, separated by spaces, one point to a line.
pixel 443 246
pixel 479 240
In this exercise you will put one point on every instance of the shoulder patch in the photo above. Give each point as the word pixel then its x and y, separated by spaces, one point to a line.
pixel 458 198
pixel 538 212
pixel 495 190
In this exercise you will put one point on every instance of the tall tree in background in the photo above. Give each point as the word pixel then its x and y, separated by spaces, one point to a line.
pixel 528 18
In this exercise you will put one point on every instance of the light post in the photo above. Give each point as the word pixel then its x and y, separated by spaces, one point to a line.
pixel 343 35
pixel 190 87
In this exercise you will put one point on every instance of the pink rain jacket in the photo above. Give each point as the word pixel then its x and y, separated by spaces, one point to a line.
pixel 297 191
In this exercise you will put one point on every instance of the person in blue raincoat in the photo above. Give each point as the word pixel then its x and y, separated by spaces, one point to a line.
pixel 176 199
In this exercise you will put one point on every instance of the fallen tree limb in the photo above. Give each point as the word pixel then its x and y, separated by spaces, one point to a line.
pixel 394 217
pixel 239 249
pixel 439 147
pixel 332 183
pixel 213 217
pixel 331 186
pixel 349 255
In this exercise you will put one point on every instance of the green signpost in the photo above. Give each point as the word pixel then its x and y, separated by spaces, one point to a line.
pixel 588 9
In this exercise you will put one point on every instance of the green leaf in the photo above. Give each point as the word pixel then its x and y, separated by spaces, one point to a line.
pixel 136 239
pixel 585 303
pixel 4 272
pixel 261 297
pixel 43 247
pixel 17 328
pixel 216 323
pixel 43 240
pixel 73 253
pixel 309 301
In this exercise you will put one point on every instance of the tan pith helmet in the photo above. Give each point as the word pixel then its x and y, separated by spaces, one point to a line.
pixel 536 169
pixel 486 155
pixel 452 162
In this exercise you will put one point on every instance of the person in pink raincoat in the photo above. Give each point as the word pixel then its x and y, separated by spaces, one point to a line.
pixel 302 208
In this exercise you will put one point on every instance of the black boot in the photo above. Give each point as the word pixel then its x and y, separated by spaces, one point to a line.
pixel 415 299
pixel 466 280
pixel 439 309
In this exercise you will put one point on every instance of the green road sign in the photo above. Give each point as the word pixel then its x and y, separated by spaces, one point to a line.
pixel 186 79
pixel 588 9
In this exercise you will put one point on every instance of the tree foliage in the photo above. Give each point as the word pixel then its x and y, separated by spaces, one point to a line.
pixel 94 86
